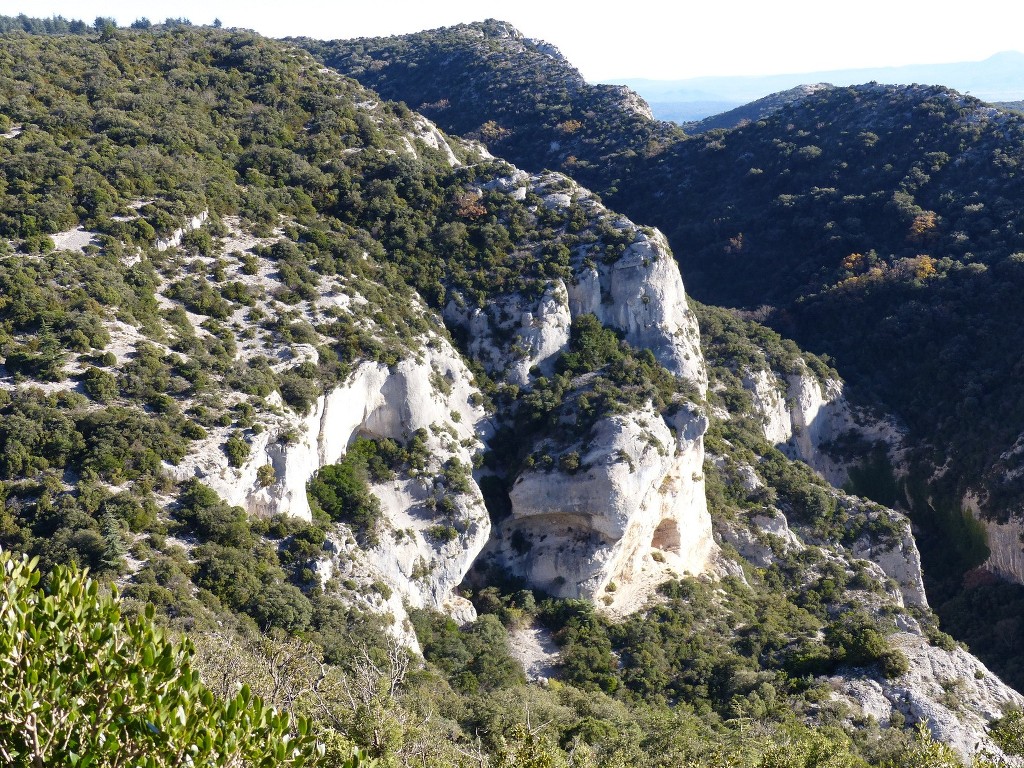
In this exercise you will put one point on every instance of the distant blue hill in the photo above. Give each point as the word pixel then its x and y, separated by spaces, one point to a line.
pixel 997 78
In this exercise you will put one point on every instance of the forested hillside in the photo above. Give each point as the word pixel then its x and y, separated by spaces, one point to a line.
pixel 825 216
pixel 355 411
pixel 875 224
pixel 519 96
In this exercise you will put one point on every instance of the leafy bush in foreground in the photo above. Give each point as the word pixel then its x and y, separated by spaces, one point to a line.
pixel 81 686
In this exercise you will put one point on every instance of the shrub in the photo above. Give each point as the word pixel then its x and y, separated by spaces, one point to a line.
pixel 80 682
pixel 443 533
pixel 99 385
pixel 265 476
pixel 342 491
pixel 210 517
pixel 237 450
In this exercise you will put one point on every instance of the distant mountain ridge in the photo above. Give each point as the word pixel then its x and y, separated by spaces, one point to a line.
pixel 517 95
pixel 755 110
pixel 997 78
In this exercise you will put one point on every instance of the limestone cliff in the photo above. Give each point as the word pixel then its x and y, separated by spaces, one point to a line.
pixel 949 690
pixel 430 391
pixel 638 292
pixel 898 558
pixel 806 417
pixel 945 687
pixel 1004 539
pixel 631 515
pixel 620 504
pixel 1006 552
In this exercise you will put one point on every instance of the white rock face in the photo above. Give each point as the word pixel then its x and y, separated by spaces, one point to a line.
pixel 430 135
pixel 1006 552
pixel 634 513
pixel 541 331
pixel 758 540
pixel 953 692
pixel 640 294
pixel 770 403
pixel 1004 541
pixel 899 560
pixel 175 238
pixel 819 414
pixel 950 690
pixel 432 391
pixel 800 416
pixel 633 101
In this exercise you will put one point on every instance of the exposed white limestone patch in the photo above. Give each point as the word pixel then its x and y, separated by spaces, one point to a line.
pixel 951 691
pixel 433 392
pixel 515 184
pixel 642 295
pixel 1006 553
pixel 1005 541
pixel 770 404
pixel 634 508
pixel 540 329
pixel 425 131
pixel 819 414
pixel 73 239
pixel 761 538
pixel 899 559
pixel 174 239
pixel 804 417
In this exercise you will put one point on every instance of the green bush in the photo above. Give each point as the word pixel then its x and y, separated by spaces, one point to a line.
pixel 82 685
pixel 342 491
pixel 265 476
pixel 207 515
pixel 476 658
pixel 237 450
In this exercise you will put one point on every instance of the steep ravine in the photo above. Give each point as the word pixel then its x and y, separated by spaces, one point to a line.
pixel 621 504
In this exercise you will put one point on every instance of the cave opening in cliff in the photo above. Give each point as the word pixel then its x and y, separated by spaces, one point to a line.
pixel 666 536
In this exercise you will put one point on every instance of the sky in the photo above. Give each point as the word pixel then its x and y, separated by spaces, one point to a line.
pixel 637 39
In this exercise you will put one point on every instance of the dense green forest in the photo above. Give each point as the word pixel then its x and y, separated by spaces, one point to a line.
pixel 165 332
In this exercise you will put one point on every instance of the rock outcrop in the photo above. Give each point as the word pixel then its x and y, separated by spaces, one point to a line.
pixel 539 329
pixel 642 295
pixel 638 293
pixel 432 392
pixel 951 691
pixel 633 514
pixel 804 417
pixel 1005 542
pixel 899 559
pixel 173 240
pixel 631 511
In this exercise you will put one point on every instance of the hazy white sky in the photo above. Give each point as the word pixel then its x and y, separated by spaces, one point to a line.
pixel 638 38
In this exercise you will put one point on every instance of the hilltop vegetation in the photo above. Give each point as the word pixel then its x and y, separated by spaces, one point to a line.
pixel 519 96
pixel 202 232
